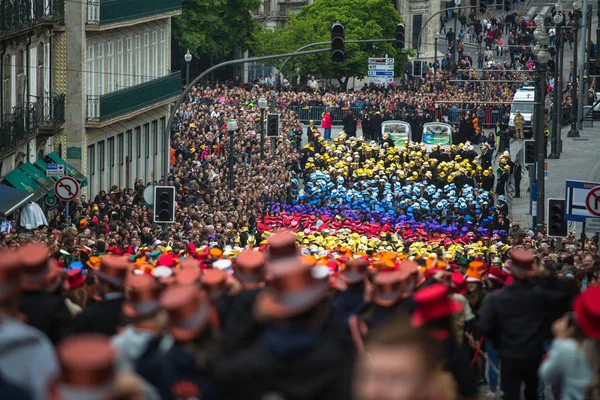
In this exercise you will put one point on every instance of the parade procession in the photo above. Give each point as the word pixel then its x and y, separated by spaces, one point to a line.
pixel 350 226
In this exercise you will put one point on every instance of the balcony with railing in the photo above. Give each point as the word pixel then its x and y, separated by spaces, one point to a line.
pixel 105 12
pixel 51 114
pixel 20 16
pixel 112 105
pixel 17 128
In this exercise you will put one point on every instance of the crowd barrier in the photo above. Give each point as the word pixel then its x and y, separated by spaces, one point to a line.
pixel 454 115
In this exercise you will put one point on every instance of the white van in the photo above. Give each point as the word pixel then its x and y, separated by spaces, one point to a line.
pixel 523 96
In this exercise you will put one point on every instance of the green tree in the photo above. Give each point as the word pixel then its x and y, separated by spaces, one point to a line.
pixel 215 26
pixel 362 19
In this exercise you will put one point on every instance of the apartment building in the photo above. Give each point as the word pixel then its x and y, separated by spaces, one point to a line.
pixel 115 58
pixel 31 111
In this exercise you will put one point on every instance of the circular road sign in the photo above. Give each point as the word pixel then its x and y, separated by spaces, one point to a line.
pixel 592 201
pixel 66 188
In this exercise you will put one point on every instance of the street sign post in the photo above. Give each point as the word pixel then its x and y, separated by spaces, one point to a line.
pixel 381 70
pixel 582 200
pixel 66 189
pixel 55 170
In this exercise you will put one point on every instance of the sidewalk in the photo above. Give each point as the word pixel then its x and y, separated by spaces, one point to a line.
pixel 578 161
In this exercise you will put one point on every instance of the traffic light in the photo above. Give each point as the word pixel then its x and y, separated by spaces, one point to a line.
pixel 529 152
pixel 400 36
pixel 338 44
pixel 507 5
pixel 418 68
pixel 273 125
pixel 482 7
pixel 164 204
pixel 557 224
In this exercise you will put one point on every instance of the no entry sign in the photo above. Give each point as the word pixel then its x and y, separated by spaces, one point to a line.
pixel 66 188
pixel 592 201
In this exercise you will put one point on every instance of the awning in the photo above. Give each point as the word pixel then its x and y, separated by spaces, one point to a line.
pixel 73 173
pixel 11 199
pixel 37 175
pixel 22 181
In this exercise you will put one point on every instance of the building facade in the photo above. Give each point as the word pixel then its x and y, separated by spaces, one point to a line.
pixel 114 57
pixel 31 111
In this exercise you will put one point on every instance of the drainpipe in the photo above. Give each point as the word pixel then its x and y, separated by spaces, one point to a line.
pixel 2 54
pixel 27 70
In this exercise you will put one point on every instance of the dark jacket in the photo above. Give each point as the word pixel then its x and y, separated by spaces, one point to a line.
pixel 48 313
pixel 175 373
pixel 295 363
pixel 350 124
pixel 376 122
pixel 515 318
pixel 101 317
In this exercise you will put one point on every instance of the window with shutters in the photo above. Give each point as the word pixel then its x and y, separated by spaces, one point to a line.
pixel 6 84
pixel 416 29
pixel 100 68
pixel 120 64
pixel 110 66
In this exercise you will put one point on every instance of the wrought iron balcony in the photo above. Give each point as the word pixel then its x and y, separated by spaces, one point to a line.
pixel 51 113
pixel 17 128
pixel 112 105
pixel 104 12
pixel 20 16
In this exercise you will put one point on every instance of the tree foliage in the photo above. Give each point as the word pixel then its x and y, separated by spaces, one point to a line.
pixel 215 27
pixel 362 19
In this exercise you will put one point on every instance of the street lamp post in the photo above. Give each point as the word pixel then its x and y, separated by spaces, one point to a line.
pixel 262 104
pixel 231 127
pixel 188 60
pixel 556 93
pixel 542 57
pixel 455 44
pixel 574 101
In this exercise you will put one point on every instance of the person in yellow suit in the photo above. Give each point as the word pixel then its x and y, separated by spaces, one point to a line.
pixel 519 125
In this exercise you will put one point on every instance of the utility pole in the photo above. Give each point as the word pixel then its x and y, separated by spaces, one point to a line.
pixel 597 79
pixel 540 72
pixel 454 45
pixel 574 132
pixel 582 58
pixel 556 93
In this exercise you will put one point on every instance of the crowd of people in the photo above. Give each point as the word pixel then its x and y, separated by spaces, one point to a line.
pixel 331 268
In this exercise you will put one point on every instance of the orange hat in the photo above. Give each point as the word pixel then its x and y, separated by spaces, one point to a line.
pixel 94 262
pixel 34 258
pixel 282 245
pixel 188 309
pixel 473 275
pixel 214 281
pixel 477 265
pixel 215 252
pixel 83 223
pixel 249 269
pixel 293 291
pixel 143 293
pixel 87 363
pixel 189 276
pixel 113 270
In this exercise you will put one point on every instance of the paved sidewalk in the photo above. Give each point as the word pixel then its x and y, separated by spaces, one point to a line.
pixel 578 161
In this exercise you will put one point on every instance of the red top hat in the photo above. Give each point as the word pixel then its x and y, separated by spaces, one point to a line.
pixel 188 309
pixel 458 283
pixel 294 290
pixel 355 271
pixel 143 293
pixel 87 362
pixel 113 270
pixel 587 312
pixel 166 260
pixel 189 276
pixel 498 275
pixel 433 303
pixel 34 258
pixel 249 269
pixel 523 263
pixel 10 275
pixel 282 245
pixel 75 278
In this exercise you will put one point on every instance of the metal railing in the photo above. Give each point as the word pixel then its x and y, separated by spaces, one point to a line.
pixel 51 111
pixel 453 115
pixel 93 108
pixel 17 128
pixel 20 15
pixel 100 12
